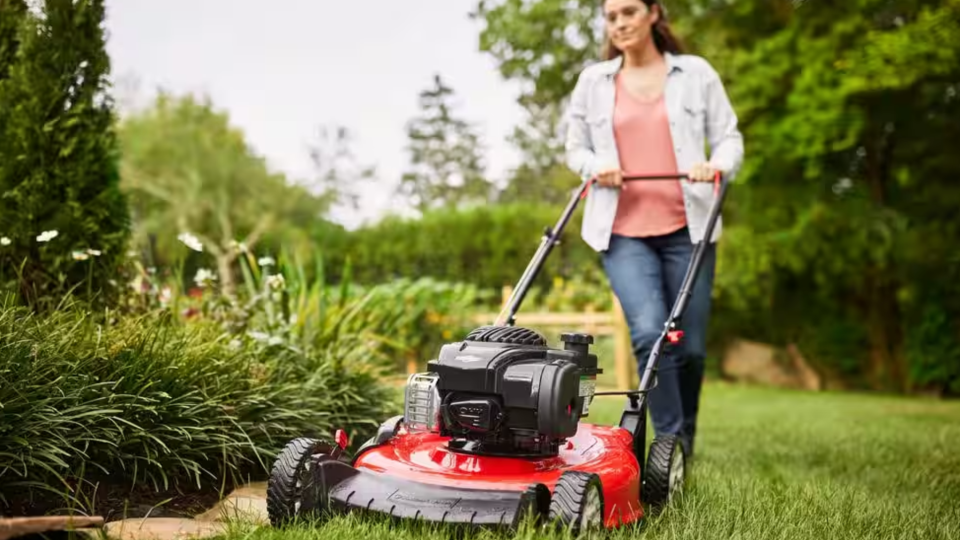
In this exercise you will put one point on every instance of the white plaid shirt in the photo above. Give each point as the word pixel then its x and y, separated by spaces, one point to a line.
pixel 700 113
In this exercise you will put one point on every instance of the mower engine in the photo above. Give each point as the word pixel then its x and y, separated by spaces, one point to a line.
pixel 503 391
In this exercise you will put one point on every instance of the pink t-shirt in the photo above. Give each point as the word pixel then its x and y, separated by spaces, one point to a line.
pixel 642 131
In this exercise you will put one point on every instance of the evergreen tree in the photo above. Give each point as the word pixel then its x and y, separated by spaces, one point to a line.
pixel 11 16
pixel 340 176
pixel 446 155
pixel 63 220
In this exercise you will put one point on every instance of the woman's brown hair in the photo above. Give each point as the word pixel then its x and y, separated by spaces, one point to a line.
pixel 663 36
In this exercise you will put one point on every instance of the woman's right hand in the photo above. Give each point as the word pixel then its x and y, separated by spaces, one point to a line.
pixel 610 178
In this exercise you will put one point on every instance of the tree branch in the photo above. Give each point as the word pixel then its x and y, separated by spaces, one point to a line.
pixel 261 227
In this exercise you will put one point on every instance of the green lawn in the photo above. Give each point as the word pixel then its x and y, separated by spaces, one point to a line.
pixel 779 464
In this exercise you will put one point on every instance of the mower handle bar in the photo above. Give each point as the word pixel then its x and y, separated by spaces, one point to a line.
pixel 717 176
pixel 551 237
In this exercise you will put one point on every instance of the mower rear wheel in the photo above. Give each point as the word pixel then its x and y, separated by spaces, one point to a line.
pixel 577 502
pixel 293 491
pixel 665 472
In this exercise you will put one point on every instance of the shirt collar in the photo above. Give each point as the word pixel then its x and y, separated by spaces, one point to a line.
pixel 612 66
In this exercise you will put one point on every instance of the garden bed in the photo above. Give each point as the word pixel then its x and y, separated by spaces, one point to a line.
pixel 119 414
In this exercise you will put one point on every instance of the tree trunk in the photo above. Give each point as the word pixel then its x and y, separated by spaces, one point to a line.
pixel 888 370
pixel 887 365
pixel 225 270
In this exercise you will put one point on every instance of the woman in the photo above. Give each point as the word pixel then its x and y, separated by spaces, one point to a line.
pixel 648 108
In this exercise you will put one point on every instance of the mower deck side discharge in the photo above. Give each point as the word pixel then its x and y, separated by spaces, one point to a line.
pixel 351 489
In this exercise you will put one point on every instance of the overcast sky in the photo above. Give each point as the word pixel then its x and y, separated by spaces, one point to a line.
pixel 283 71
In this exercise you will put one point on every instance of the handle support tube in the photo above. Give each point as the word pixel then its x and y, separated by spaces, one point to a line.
pixel 551 238
pixel 633 418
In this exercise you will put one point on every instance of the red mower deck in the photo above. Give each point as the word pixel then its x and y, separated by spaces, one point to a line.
pixel 606 451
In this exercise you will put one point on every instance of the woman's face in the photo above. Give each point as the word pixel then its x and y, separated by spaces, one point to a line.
pixel 628 22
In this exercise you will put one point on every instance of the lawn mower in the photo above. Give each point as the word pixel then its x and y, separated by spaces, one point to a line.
pixel 492 432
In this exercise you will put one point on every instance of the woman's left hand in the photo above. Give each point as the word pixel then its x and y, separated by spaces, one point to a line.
pixel 702 172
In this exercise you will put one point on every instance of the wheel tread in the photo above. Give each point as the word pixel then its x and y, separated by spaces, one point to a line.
pixel 281 487
pixel 569 496
pixel 656 484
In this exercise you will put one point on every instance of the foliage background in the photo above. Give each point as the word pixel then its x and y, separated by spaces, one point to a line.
pixel 841 239
pixel 157 273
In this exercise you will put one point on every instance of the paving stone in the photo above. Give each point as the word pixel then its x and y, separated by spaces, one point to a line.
pixel 246 503
pixel 162 529
pixel 19 526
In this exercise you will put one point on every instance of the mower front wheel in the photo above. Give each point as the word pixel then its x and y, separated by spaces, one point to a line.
pixel 293 490
pixel 665 471
pixel 577 502
pixel 534 506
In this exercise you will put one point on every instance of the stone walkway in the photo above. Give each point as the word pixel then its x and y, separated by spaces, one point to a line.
pixel 248 503
pixel 21 526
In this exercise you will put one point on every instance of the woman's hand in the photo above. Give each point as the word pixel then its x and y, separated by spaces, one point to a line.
pixel 610 178
pixel 702 172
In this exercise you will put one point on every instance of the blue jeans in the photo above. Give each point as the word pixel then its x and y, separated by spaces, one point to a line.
pixel 646 275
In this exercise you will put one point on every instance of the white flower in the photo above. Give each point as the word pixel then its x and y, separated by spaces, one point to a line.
pixel 239 246
pixel 276 282
pixel 266 338
pixel 84 255
pixel 138 284
pixel 4 241
pixel 190 241
pixel 258 336
pixel 266 261
pixel 166 295
pixel 204 277
pixel 47 236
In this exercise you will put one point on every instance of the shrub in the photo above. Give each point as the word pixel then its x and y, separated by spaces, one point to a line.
pixel 145 400
pixel 63 220
pixel 489 246
pixel 282 300
pixel 179 390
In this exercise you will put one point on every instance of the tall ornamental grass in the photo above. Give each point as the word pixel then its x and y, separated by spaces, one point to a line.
pixel 91 399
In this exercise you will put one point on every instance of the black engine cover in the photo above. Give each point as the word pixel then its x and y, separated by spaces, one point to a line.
pixel 503 386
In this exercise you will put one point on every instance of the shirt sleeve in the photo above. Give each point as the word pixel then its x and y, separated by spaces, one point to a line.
pixel 578 146
pixel 723 134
